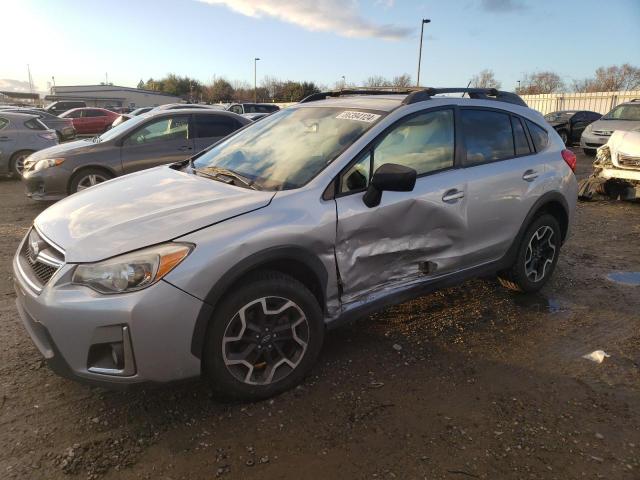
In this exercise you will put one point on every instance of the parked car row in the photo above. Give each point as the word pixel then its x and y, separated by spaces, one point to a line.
pixel 591 129
pixel 145 141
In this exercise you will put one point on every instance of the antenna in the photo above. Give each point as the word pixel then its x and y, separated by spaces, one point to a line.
pixel 468 85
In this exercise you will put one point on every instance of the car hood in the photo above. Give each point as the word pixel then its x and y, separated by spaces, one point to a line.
pixel 65 149
pixel 142 209
pixel 612 125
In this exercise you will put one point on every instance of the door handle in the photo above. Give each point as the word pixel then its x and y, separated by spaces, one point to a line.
pixel 529 175
pixel 185 148
pixel 452 195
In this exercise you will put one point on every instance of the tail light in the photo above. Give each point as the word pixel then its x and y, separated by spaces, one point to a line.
pixel 570 158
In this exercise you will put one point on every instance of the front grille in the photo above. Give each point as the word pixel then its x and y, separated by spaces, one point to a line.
pixel 603 133
pixel 628 161
pixel 41 267
pixel 596 145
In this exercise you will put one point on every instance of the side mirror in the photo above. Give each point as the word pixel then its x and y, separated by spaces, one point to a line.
pixel 391 177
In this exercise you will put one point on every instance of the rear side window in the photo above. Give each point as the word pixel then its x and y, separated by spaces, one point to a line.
pixel 539 136
pixel 214 126
pixel 520 138
pixel 3 123
pixel 34 124
pixel 487 136
pixel 236 109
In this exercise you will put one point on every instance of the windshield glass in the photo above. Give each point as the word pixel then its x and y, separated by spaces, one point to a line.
pixel 624 112
pixel 557 116
pixel 123 127
pixel 288 148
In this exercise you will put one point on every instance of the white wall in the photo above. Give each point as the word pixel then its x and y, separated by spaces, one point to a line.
pixel 600 102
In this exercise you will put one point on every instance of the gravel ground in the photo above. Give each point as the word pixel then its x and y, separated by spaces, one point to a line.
pixel 468 382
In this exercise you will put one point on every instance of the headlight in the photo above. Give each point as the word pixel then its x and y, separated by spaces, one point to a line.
pixel 46 163
pixel 589 128
pixel 132 271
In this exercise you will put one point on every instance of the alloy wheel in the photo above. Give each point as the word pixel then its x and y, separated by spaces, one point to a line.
pixel 91 180
pixel 540 253
pixel 19 163
pixel 265 340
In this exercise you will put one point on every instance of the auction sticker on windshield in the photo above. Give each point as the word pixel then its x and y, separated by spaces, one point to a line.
pixel 359 116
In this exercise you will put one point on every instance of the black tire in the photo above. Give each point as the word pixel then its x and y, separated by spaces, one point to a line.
pixel 564 135
pixel 225 379
pixel 78 181
pixel 16 163
pixel 589 152
pixel 520 276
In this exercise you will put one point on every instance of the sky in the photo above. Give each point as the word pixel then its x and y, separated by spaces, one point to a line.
pixel 79 41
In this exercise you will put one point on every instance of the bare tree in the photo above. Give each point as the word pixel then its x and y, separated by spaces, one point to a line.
pixel 377 81
pixel 610 79
pixel 541 82
pixel 485 79
pixel 403 80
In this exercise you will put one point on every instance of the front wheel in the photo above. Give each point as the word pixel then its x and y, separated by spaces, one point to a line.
pixel 17 162
pixel 536 258
pixel 263 338
pixel 88 177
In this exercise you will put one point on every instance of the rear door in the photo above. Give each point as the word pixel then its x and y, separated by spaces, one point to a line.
pixel 8 141
pixel 158 141
pixel 208 128
pixel 504 176
pixel 410 236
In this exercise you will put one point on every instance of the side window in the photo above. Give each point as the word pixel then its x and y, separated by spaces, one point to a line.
pixel 487 136
pixel 356 177
pixel 539 136
pixel 162 130
pixel 3 123
pixel 522 144
pixel 76 114
pixel 33 124
pixel 94 113
pixel 236 109
pixel 424 142
pixel 249 108
pixel 214 126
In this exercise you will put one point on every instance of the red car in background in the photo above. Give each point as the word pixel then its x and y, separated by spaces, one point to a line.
pixel 90 120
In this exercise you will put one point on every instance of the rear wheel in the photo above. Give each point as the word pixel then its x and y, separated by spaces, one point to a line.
pixel 17 162
pixel 590 152
pixel 564 136
pixel 88 178
pixel 264 338
pixel 537 256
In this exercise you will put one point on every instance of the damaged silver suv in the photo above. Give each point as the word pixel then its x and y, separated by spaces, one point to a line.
pixel 233 263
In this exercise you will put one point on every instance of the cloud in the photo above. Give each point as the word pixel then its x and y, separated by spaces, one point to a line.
pixel 337 16
pixel 502 6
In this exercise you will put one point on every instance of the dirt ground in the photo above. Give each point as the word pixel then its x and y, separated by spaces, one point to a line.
pixel 468 382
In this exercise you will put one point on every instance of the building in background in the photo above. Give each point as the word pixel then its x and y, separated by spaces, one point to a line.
pixel 19 98
pixel 110 96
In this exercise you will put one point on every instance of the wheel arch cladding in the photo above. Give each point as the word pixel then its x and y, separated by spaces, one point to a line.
pixel 559 212
pixel 294 261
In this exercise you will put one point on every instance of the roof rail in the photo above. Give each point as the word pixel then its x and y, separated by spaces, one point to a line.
pixel 420 94
pixel 476 93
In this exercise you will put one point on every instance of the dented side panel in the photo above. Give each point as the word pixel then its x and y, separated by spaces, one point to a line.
pixel 381 248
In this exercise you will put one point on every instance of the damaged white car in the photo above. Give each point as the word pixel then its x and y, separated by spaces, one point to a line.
pixel 616 173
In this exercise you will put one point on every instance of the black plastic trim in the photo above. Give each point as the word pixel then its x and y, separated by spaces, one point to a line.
pixel 253 262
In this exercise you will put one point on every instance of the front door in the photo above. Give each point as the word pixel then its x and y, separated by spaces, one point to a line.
pixel 411 236
pixel 157 142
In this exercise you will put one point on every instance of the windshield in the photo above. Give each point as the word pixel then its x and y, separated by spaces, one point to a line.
pixel 123 127
pixel 624 112
pixel 288 148
pixel 557 116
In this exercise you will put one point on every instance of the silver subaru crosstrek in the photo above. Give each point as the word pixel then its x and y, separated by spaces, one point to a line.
pixel 233 263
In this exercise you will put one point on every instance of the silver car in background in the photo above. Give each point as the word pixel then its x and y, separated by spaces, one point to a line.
pixel 144 141
pixel 21 134
pixel 233 263
pixel 63 126
pixel 623 117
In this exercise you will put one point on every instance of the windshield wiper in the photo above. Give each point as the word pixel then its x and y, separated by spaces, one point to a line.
pixel 218 172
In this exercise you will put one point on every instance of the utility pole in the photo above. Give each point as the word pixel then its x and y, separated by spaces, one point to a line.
pixel 424 20
pixel 255 80
pixel 30 79
pixel 106 78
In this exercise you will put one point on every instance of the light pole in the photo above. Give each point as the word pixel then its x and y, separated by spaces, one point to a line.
pixel 424 20
pixel 518 91
pixel 344 82
pixel 255 80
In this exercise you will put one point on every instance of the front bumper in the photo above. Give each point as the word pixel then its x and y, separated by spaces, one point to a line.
pixel 49 184
pixel 591 141
pixel 66 322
